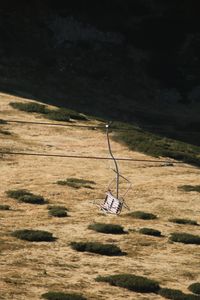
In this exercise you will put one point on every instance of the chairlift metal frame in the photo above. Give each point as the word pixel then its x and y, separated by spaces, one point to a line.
pixel 114 203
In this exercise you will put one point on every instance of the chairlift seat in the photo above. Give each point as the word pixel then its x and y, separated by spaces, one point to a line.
pixel 111 204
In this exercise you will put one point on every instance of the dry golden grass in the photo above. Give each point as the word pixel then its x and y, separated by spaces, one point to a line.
pixel 31 269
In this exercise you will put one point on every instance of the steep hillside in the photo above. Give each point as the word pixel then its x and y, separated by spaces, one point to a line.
pixel 30 269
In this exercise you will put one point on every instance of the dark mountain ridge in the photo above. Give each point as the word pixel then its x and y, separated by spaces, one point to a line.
pixel 131 61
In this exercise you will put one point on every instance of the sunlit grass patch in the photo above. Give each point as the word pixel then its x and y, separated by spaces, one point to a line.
pixel 33 235
pixel 98 248
pixel 190 188
pixel 150 231
pixel 25 196
pixel 4 207
pixel 107 228
pixel 183 221
pixel 77 183
pixel 142 215
pixel 185 238
pixel 62 296
pixel 131 282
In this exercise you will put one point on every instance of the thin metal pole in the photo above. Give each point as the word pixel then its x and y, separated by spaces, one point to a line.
pixel 115 162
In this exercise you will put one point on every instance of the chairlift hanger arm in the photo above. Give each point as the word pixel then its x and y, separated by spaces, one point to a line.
pixel 115 162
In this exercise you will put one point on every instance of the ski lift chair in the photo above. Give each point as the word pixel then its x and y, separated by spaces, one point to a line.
pixel 114 204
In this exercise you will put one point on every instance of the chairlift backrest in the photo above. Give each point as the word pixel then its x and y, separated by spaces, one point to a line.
pixel 111 204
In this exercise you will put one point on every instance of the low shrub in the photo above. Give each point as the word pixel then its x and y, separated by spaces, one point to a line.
pixel 104 249
pixel 5 132
pixel 142 215
pixel 190 188
pixel 185 238
pixel 2 122
pixel 131 282
pixel 57 211
pixel 32 199
pixel 195 288
pixel 29 107
pixel 33 235
pixel 58 115
pixel 75 115
pixel 4 207
pixel 62 296
pixel 183 221
pixel 150 231
pixel 16 194
pixel 26 196
pixel 107 228
pixel 77 183
pixel 171 294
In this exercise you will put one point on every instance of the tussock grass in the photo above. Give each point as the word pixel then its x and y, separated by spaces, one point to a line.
pixel 29 107
pixel 2 122
pixel 155 145
pixel 131 282
pixel 195 288
pixel 176 294
pixel 62 296
pixel 190 188
pixel 25 196
pixel 33 235
pixel 5 132
pixel 58 115
pixel 150 231
pixel 142 215
pixel 77 183
pixel 57 211
pixel 99 248
pixel 4 207
pixel 107 228
pixel 185 238
pixel 183 221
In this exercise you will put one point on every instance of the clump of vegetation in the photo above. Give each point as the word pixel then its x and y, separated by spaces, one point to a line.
pixel 4 207
pixel 58 115
pixel 99 248
pixel 185 238
pixel 77 183
pixel 156 145
pixel 5 132
pixel 190 188
pixel 33 235
pixel 171 294
pixel 150 231
pixel 2 122
pixel 75 115
pixel 57 211
pixel 62 296
pixel 195 288
pixel 183 221
pixel 142 215
pixel 26 196
pixel 107 228
pixel 29 107
pixel 131 282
